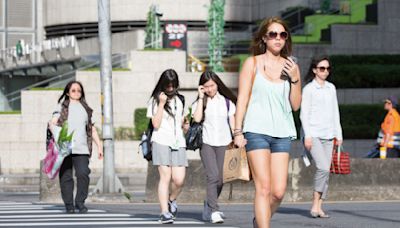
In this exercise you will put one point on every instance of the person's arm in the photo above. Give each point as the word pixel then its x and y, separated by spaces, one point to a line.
pixel 198 113
pixel 338 127
pixel 245 83
pixel 388 133
pixel 305 115
pixel 231 115
pixel 293 71
pixel 98 142
pixel 157 118
pixel 54 118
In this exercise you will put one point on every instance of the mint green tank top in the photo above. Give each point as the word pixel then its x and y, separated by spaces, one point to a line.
pixel 269 111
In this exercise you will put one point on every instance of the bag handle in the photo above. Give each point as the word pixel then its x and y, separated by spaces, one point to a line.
pixel 338 150
pixel 227 103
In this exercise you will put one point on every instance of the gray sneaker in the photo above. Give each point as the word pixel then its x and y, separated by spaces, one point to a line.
pixel 166 218
pixel 173 208
pixel 206 212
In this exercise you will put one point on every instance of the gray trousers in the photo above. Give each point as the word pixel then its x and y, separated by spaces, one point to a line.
pixel 321 152
pixel 213 162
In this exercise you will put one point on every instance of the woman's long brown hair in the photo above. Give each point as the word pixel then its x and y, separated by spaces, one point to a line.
pixel 259 47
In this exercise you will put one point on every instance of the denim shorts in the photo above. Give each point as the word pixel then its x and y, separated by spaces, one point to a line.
pixel 257 141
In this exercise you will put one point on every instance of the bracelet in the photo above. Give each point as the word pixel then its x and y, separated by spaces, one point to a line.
pixel 237 133
pixel 237 129
pixel 294 82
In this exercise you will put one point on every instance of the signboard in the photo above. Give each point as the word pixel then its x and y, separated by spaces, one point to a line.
pixel 175 35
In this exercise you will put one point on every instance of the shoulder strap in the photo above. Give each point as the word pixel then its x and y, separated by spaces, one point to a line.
pixel 182 98
pixel 227 102
pixel 253 75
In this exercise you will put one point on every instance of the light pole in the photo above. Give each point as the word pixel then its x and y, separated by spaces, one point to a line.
pixel 109 179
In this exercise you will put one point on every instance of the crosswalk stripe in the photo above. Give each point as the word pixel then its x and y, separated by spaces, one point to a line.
pixel 62 215
pixel 79 219
pixel 14 203
pixel 98 223
pixel 40 211
pixel 30 205
pixel 31 208
pixel 48 215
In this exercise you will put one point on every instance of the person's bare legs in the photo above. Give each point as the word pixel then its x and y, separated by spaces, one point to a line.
pixel 260 161
pixel 316 205
pixel 279 176
pixel 178 179
pixel 163 186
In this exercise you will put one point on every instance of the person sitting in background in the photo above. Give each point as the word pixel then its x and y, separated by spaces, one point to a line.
pixel 389 136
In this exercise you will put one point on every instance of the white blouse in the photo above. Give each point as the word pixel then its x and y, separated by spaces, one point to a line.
pixel 170 132
pixel 319 112
pixel 216 130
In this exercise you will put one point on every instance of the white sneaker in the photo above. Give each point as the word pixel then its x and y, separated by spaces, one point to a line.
pixel 216 217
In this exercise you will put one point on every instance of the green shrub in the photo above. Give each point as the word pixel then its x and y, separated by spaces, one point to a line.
pixel 141 122
pixel 365 59
pixel 366 71
pixel 124 133
pixel 366 76
pixel 361 121
pixel 121 133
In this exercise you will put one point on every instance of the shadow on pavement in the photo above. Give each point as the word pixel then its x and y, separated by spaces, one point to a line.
pixel 297 211
pixel 367 216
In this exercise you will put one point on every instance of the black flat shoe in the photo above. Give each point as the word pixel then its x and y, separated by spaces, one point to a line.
pixel 255 223
pixel 69 210
pixel 82 209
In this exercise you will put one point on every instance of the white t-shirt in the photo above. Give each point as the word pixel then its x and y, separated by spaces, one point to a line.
pixel 170 132
pixel 216 131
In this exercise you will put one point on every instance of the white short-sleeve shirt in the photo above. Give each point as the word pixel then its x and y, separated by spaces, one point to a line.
pixel 170 132
pixel 216 130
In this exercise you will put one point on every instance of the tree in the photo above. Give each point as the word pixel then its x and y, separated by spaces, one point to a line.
pixel 153 28
pixel 216 35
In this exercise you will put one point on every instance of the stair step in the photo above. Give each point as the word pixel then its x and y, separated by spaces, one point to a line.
pixel 136 179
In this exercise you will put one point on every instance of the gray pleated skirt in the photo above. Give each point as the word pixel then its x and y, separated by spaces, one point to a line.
pixel 164 155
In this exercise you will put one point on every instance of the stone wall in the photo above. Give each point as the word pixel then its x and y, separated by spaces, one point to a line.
pixel 370 179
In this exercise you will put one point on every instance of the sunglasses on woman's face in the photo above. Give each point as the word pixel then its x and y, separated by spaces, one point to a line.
pixel 322 69
pixel 76 91
pixel 274 35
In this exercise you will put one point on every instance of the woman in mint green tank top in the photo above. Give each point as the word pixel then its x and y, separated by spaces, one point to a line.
pixel 269 91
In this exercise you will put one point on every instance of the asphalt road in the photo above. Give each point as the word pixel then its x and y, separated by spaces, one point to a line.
pixel 22 210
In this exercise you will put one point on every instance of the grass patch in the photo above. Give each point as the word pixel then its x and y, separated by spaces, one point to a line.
pixel 10 112
pixel 45 89
pixel 113 69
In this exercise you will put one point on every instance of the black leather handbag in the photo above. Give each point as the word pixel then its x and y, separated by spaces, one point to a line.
pixel 194 138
